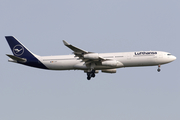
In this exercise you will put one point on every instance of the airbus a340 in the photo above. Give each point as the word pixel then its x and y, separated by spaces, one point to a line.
pixel 89 62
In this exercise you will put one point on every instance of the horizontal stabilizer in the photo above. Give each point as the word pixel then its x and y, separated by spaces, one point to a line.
pixel 17 58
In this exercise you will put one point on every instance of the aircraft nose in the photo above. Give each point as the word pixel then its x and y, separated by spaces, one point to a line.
pixel 174 58
pixel 171 58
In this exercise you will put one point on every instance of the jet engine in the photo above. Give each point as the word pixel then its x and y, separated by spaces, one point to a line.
pixel 93 56
pixel 109 70
pixel 96 71
pixel 112 63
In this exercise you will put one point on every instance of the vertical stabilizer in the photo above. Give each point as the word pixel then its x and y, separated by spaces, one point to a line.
pixel 18 49
pixel 22 54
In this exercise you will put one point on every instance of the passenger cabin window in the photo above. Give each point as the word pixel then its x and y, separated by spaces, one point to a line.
pixel 118 56
pixel 108 57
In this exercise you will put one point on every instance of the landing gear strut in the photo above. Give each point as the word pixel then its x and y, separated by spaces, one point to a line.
pixel 90 74
pixel 159 68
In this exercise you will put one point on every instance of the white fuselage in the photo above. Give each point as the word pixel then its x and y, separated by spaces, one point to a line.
pixel 127 59
pixel 90 62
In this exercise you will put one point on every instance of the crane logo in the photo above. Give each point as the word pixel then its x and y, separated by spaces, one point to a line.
pixel 18 50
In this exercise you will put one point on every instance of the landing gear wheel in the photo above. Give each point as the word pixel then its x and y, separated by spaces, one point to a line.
pixel 158 70
pixel 93 75
pixel 88 77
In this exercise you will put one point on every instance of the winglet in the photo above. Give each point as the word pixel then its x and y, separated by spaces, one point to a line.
pixel 65 43
pixel 73 48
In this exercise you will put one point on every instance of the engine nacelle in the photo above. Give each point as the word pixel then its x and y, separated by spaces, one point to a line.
pixel 112 63
pixel 109 70
pixel 93 56
pixel 96 71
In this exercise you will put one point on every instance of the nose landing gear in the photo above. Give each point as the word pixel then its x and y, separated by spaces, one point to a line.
pixel 159 68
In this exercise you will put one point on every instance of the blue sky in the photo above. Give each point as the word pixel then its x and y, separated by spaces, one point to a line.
pixel 97 26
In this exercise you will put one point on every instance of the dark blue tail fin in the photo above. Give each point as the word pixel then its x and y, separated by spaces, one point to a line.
pixel 18 49
pixel 22 54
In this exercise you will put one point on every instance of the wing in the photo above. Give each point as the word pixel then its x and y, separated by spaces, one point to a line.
pixel 87 57
pixel 75 49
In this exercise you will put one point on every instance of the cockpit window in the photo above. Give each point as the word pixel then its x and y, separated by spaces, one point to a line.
pixel 168 54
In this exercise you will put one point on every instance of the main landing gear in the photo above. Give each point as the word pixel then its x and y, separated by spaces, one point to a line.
pixel 159 68
pixel 91 74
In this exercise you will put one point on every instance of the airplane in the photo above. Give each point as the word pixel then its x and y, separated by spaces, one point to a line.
pixel 89 62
